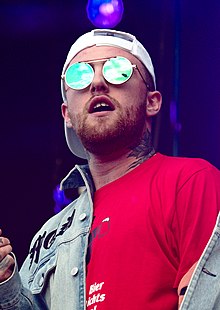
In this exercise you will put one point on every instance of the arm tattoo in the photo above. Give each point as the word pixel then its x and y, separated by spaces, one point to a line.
pixel 5 263
pixel 143 151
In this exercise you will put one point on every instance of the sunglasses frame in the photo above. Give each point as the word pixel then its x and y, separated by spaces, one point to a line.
pixel 133 66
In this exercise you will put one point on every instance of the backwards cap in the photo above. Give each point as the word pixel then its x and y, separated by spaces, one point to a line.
pixel 102 37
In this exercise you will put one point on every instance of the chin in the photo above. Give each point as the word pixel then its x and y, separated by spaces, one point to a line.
pixel 111 141
pixel 107 136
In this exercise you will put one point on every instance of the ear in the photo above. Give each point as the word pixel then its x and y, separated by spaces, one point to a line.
pixel 154 102
pixel 65 114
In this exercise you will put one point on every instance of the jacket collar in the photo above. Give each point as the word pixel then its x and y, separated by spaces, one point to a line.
pixel 77 177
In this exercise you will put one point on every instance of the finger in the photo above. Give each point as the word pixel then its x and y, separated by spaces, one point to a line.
pixel 6 267
pixel 6 263
pixel 4 251
pixel 4 241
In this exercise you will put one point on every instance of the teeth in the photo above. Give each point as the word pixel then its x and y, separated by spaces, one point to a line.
pixel 98 105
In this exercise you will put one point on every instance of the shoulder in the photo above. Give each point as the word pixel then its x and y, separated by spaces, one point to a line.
pixel 186 162
pixel 187 165
pixel 57 220
pixel 179 171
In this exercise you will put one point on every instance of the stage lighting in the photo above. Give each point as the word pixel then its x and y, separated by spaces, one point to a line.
pixel 105 14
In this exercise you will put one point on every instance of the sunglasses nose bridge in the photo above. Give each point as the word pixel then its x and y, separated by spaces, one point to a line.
pixel 98 81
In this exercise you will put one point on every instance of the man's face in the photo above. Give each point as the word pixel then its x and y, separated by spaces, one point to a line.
pixel 107 116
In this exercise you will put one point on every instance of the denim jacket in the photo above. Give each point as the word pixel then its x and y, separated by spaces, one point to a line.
pixel 203 291
pixel 57 255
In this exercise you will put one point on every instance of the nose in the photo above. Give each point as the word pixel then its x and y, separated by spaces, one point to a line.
pixel 99 84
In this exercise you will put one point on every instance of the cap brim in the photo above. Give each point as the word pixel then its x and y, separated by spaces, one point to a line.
pixel 74 143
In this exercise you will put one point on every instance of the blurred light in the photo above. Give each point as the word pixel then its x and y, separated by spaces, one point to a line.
pixel 60 199
pixel 173 117
pixel 105 13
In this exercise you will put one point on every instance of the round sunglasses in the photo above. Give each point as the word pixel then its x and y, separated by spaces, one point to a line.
pixel 116 70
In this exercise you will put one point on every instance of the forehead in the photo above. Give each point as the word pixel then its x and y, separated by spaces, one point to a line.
pixel 98 52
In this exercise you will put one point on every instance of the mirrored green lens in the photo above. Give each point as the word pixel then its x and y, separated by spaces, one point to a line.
pixel 79 75
pixel 117 70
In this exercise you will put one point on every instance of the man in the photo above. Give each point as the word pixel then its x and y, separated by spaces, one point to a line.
pixel 133 237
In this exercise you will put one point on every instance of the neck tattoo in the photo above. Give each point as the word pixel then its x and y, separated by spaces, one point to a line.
pixel 143 151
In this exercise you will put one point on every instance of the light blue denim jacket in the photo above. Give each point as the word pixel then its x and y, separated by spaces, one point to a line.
pixel 203 292
pixel 53 275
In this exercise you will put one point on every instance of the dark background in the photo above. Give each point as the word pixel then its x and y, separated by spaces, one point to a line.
pixel 183 38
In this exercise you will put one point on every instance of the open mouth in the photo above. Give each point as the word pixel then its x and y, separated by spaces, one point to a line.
pixel 100 107
pixel 101 104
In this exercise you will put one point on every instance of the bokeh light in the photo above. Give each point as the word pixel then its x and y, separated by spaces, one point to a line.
pixel 105 14
pixel 60 199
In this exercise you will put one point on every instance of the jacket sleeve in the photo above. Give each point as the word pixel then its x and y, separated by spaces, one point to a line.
pixel 14 296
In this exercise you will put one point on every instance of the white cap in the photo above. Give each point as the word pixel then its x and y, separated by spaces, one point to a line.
pixel 99 37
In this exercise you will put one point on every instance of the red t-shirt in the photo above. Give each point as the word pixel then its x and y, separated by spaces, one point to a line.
pixel 149 227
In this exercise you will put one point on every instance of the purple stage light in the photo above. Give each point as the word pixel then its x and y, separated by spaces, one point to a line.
pixel 60 199
pixel 105 13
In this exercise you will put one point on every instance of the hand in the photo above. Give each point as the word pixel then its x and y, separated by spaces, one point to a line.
pixel 6 260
